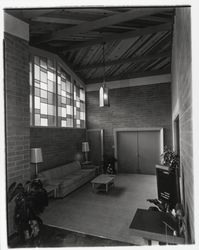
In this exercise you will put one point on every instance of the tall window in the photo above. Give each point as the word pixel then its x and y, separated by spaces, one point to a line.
pixel 79 107
pixel 54 100
pixel 65 99
pixel 44 92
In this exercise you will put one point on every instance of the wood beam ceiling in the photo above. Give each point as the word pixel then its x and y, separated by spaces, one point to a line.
pixel 126 35
pixel 100 23
pixel 125 60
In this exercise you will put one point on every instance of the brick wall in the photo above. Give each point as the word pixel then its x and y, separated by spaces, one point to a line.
pixel 141 106
pixel 181 105
pixel 59 145
pixel 17 113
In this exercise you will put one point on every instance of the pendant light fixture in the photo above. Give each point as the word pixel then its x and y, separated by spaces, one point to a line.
pixel 103 92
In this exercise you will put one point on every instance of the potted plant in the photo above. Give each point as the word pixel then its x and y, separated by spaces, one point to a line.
pixel 170 159
pixel 30 201
pixel 109 164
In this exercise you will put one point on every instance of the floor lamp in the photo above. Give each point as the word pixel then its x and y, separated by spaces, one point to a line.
pixel 36 157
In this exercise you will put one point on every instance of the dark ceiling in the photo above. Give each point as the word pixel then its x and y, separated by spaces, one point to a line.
pixel 137 41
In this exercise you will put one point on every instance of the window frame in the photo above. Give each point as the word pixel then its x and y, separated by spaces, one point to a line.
pixel 73 78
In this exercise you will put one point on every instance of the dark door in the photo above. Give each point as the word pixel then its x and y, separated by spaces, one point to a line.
pixel 95 139
pixel 138 151
pixel 127 152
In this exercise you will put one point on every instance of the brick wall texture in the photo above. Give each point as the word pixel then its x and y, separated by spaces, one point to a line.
pixel 141 106
pixel 59 145
pixel 17 113
pixel 182 93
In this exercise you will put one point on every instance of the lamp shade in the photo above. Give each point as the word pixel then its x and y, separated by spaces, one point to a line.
pixel 85 147
pixel 36 155
pixel 103 97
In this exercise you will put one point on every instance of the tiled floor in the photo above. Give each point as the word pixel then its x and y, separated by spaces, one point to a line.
pixel 104 215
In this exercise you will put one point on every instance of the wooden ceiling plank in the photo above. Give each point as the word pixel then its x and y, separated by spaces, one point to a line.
pixel 162 63
pixel 165 40
pixel 126 60
pixel 119 50
pixel 102 22
pixel 121 27
pixel 152 40
pixel 156 19
pixel 126 35
pixel 136 41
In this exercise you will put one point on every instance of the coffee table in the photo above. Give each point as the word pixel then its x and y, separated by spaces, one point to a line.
pixel 103 182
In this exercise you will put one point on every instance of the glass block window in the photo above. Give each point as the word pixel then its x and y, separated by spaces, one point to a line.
pixel 65 99
pixel 44 92
pixel 79 107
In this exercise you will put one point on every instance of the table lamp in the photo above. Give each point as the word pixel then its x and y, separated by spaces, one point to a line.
pixel 36 157
pixel 85 149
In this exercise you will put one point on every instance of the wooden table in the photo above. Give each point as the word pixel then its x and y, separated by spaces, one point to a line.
pixel 153 225
pixel 103 182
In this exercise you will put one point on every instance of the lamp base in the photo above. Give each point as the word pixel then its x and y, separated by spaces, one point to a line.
pixel 86 157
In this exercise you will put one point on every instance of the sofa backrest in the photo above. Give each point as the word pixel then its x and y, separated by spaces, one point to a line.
pixel 70 168
pixel 59 172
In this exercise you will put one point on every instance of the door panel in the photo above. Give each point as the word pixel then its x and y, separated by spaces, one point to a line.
pixel 127 152
pixel 138 151
pixel 95 143
pixel 149 151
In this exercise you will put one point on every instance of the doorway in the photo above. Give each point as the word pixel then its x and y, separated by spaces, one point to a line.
pixel 95 138
pixel 138 150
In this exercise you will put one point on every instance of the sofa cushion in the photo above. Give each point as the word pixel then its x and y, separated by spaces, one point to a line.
pixel 68 182
pixel 55 182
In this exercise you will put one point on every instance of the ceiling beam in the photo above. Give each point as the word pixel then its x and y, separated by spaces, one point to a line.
pixel 125 60
pixel 128 76
pixel 45 19
pixel 122 27
pixel 33 13
pixel 102 22
pixel 132 82
pixel 126 35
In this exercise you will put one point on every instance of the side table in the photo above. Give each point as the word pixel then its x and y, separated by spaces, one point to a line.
pixel 51 191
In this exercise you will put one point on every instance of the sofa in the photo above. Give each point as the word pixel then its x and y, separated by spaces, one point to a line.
pixel 66 178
